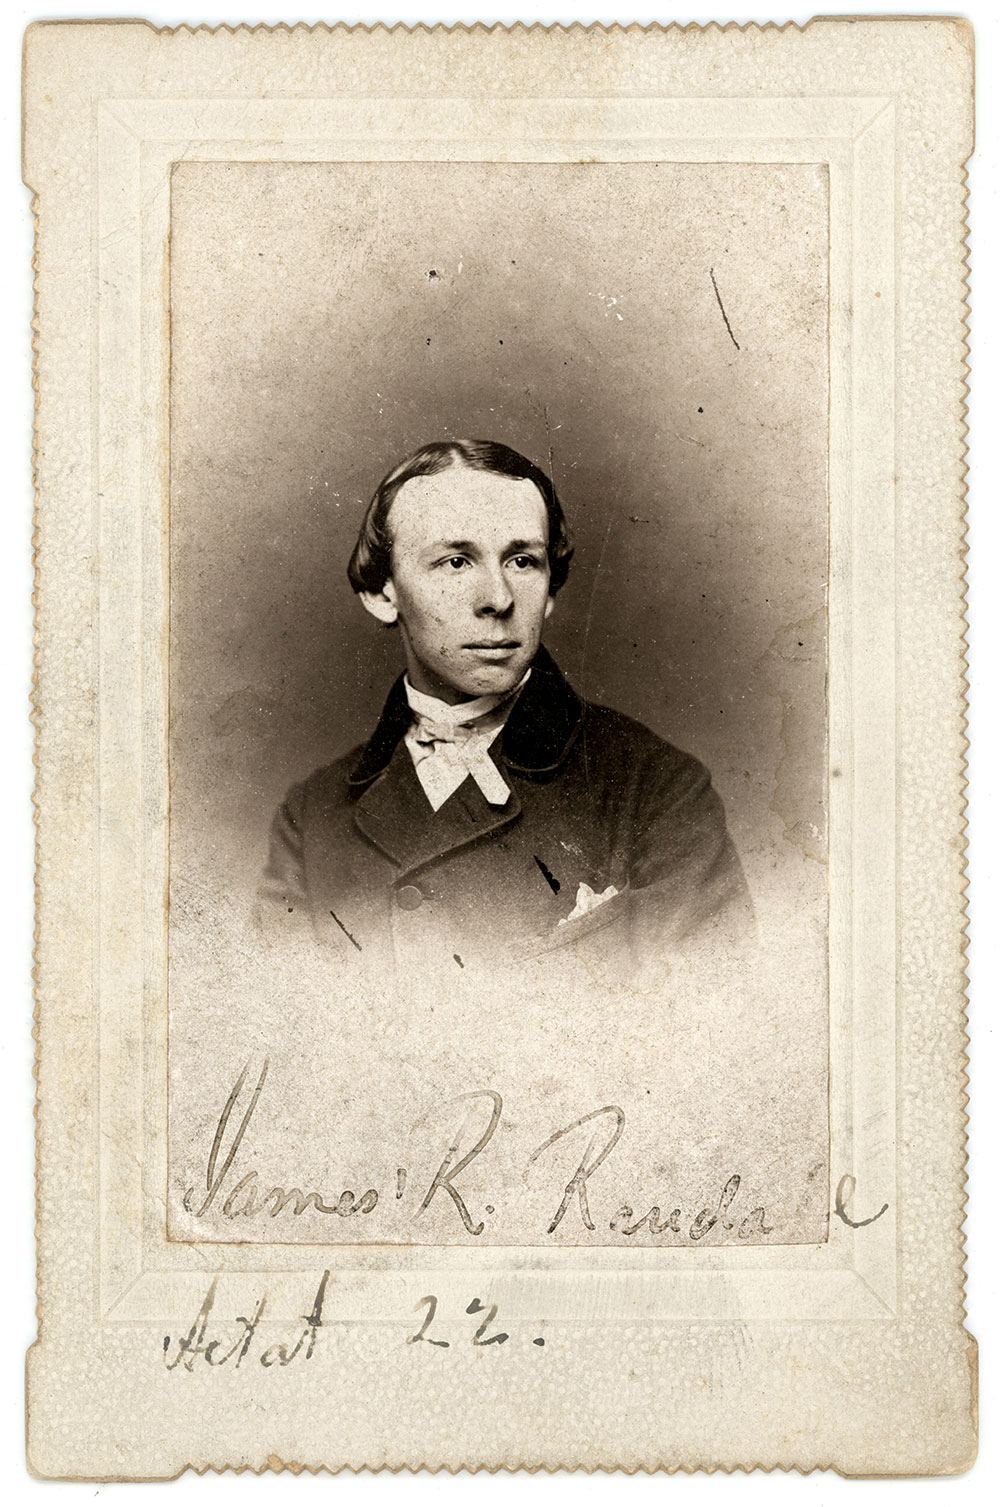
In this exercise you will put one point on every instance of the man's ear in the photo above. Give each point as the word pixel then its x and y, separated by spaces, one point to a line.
pixel 381 604
pixel 550 603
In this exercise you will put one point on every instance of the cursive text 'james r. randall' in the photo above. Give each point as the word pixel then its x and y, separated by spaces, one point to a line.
pixel 236 1192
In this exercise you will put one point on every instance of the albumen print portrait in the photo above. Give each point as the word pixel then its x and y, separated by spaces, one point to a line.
pixel 498 748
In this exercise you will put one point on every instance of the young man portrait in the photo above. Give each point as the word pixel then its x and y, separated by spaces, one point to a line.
pixel 493 814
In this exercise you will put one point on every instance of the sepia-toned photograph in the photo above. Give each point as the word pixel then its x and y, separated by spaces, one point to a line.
pixel 498 566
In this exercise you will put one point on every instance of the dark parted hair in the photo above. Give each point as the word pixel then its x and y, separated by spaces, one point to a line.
pixel 370 562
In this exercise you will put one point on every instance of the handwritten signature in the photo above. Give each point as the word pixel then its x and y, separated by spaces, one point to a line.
pixel 239 1194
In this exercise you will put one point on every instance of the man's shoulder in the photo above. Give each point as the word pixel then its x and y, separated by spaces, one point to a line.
pixel 616 738
pixel 330 783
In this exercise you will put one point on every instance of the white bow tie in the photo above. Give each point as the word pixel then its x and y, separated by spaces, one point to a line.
pixel 448 743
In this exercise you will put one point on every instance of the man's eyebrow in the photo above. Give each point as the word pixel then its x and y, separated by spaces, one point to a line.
pixel 453 544
pixel 466 546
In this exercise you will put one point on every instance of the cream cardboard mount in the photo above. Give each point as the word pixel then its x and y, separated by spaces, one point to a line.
pixel 599 1112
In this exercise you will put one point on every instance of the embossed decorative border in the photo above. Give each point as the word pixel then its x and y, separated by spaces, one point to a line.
pixel 885 105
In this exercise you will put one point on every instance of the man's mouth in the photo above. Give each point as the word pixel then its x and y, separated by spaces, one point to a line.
pixel 494 649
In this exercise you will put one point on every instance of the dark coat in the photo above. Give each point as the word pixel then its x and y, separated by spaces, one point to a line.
pixel 596 798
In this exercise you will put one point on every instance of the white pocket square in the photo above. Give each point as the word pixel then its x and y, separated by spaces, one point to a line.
pixel 587 900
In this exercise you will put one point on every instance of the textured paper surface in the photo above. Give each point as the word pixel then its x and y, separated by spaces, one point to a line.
pixel 729 323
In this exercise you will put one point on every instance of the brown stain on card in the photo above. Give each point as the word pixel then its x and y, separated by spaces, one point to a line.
pixel 798 795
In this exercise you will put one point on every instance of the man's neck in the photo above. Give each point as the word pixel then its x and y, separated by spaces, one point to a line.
pixel 439 689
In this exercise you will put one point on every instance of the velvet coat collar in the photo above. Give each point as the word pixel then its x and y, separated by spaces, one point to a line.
pixel 536 738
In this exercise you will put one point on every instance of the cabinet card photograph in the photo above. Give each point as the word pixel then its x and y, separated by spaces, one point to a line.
pixel 498 754
pixel 500 799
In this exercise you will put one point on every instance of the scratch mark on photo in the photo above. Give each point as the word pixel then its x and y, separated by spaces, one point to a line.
pixel 718 299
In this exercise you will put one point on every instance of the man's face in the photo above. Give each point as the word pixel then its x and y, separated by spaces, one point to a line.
pixel 469 585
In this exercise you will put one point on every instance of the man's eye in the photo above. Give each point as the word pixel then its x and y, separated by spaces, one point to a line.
pixel 457 562
pixel 525 562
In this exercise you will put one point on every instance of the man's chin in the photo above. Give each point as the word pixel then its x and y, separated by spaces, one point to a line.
pixel 492 680
pixel 488 679
pixel 466 675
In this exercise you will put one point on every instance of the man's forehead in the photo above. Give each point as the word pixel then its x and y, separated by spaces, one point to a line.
pixel 425 505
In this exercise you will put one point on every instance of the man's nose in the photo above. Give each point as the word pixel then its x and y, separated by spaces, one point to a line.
pixel 495 596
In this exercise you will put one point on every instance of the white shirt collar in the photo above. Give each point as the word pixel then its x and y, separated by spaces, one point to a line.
pixel 462 712
pixel 449 743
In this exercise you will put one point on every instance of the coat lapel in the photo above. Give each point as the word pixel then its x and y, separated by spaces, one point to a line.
pixel 395 814
pixel 545 721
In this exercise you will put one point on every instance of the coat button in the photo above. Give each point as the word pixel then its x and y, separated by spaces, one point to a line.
pixel 409 897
